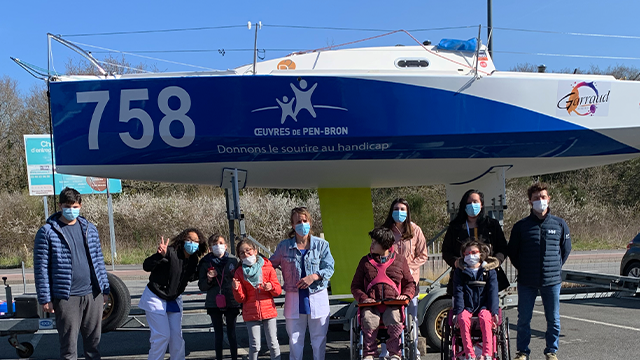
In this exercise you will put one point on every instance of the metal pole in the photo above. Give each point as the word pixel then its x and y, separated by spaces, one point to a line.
pixel 232 223
pixel 489 30
pixel 255 45
pixel 46 207
pixel 24 280
pixel 255 50
pixel 112 233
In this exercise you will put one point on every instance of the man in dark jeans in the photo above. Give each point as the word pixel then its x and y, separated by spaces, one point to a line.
pixel 70 276
pixel 539 245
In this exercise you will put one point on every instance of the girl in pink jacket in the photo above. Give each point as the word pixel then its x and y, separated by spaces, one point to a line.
pixel 409 243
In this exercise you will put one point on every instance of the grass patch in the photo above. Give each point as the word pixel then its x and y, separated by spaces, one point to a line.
pixel 133 256
pixel 10 261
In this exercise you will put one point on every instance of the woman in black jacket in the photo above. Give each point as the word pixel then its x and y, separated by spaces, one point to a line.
pixel 172 267
pixel 472 222
pixel 216 271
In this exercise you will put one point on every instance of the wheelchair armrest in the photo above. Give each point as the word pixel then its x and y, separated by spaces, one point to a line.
pixel 396 302
pixel 369 304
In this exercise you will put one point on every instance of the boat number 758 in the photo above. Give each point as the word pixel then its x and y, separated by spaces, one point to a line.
pixel 127 113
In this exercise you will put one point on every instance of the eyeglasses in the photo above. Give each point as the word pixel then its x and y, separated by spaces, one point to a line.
pixel 472 252
pixel 246 252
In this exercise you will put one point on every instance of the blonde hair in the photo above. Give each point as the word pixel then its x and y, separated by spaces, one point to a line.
pixel 300 211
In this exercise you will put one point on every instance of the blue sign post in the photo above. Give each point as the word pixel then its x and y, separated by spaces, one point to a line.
pixel 44 180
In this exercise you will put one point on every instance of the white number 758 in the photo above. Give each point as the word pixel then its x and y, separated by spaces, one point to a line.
pixel 127 114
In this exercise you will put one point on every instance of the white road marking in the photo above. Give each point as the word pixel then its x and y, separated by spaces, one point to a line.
pixel 593 321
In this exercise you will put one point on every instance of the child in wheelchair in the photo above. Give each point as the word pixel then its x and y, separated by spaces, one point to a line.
pixel 381 276
pixel 475 293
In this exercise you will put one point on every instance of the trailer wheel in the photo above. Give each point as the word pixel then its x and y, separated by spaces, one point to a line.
pixel 27 352
pixel 431 327
pixel 116 310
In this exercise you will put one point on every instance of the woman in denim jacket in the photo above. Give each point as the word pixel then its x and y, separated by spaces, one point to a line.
pixel 307 266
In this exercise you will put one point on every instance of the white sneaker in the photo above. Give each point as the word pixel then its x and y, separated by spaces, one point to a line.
pixel 368 357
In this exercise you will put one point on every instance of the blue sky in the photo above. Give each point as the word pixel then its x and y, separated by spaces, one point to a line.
pixel 25 24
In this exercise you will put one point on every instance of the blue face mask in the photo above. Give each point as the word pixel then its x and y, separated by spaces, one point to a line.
pixel 191 247
pixel 302 229
pixel 399 215
pixel 70 213
pixel 473 209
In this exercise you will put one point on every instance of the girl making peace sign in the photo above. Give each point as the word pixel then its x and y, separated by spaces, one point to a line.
pixel 172 266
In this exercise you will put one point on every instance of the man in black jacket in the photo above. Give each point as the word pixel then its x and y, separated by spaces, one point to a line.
pixel 539 246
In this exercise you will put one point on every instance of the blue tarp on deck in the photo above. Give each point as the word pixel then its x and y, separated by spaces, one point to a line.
pixel 459 45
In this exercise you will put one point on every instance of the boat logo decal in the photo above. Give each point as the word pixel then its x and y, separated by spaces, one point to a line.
pixel 302 99
pixel 287 64
pixel 583 98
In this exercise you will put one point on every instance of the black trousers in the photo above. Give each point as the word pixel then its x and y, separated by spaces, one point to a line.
pixel 230 314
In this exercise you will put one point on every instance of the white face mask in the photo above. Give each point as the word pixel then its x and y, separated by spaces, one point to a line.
pixel 540 205
pixel 249 260
pixel 472 259
pixel 218 249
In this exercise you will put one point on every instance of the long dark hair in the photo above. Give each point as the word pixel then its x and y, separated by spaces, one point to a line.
pixel 461 217
pixel 389 223
pixel 178 242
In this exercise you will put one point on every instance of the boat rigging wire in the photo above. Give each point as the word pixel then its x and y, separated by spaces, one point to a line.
pixel 570 55
pixel 123 66
pixel 142 56
pixel 273 26
pixel 570 33
pixel 348 29
pixel 157 31
pixel 220 50
pixel 387 34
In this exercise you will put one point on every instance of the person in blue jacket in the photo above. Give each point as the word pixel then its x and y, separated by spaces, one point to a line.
pixel 475 293
pixel 539 245
pixel 70 276
pixel 307 265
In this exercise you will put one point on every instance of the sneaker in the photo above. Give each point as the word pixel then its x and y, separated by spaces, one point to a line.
pixel 521 356
pixel 368 357
pixel 551 356
pixel 486 357
pixel 395 357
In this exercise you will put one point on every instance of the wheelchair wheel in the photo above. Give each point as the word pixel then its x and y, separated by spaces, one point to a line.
pixel 446 350
pixel 410 342
pixel 353 339
pixel 505 340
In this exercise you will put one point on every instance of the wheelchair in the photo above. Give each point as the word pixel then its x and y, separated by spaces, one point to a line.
pixel 409 341
pixel 451 346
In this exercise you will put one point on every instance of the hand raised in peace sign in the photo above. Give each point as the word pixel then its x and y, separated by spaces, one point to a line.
pixel 162 248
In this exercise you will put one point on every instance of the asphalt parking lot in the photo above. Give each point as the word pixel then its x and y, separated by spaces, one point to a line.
pixel 606 328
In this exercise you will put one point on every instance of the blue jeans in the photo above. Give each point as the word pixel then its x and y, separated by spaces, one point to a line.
pixel 551 302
